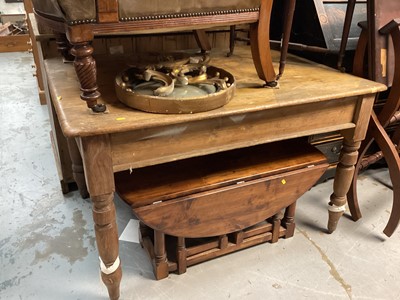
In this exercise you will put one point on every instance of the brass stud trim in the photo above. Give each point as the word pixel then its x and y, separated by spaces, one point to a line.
pixel 188 15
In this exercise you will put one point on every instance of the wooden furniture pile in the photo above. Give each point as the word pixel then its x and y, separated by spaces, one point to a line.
pixel 248 172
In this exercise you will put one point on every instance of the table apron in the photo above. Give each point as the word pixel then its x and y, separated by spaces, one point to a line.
pixel 152 146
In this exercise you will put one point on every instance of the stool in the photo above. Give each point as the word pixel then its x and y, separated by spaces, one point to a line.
pixel 208 206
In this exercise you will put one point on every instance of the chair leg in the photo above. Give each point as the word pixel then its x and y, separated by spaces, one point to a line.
pixel 290 6
pixel 393 160
pixel 391 155
pixel 202 40
pixel 64 46
pixel 346 31
pixel 352 198
pixel 361 50
pixel 358 70
pixel 396 136
pixel 232 36
pixel 259 42
pixel 85 68
pixel 376 131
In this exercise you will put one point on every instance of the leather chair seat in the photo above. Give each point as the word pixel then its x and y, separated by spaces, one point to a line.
pixel 84 11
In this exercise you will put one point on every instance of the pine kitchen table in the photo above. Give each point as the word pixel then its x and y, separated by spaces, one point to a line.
pixel 311 99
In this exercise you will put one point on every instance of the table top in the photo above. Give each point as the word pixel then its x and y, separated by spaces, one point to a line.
pixel 303 82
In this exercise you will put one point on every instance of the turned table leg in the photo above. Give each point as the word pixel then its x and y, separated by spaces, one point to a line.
pixel 107 243
pixel 276 221
pixel 288 220
pixel 97 162
pixel 181 255
pixel 160 259
pixel 342 182
pixel 348 159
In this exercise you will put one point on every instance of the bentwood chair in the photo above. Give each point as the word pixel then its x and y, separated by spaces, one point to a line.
pixel 379 45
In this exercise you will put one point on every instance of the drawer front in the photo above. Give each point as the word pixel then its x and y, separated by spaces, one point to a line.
pixel 229 209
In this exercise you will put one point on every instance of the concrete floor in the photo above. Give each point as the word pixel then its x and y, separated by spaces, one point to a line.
pixel 47 246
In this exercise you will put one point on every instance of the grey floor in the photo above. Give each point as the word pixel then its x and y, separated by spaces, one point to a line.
pixel 47 246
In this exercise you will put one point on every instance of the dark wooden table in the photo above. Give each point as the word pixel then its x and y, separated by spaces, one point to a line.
pixel 312 99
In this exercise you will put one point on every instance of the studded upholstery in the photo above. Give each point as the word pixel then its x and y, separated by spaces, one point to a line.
pixel 131 9
pixel 71 11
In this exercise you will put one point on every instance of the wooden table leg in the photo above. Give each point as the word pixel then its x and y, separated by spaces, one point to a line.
pixel 61 151
pixel 160 256
pixel 276 221
pixel 288 220
pixel 343 178
pixel 97 162
pixel 348 159
pixel 181 255
pixel 77 167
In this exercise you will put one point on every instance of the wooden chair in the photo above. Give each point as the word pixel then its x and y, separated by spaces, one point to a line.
pixel 380 53
pixel 380 42
pixel 289 8
pixel 82 20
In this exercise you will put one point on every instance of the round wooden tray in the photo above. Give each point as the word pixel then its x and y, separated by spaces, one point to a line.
pixel 192 98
